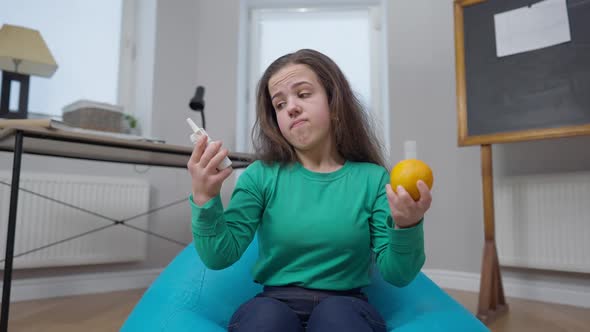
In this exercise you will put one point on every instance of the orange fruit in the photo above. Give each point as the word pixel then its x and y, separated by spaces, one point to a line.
pixel 407 172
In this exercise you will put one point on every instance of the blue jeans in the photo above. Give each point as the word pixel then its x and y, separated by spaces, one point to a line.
pixel 291 308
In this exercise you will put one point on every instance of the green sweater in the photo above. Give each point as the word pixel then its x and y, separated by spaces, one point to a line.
pixel 315 230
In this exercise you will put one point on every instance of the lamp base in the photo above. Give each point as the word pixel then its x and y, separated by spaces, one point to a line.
pixel 23 100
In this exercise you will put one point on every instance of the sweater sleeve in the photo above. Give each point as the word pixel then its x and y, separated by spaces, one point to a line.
pixel 221 237
pixel 399 252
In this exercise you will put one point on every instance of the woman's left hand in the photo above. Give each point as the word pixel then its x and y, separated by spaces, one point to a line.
pixel 404 210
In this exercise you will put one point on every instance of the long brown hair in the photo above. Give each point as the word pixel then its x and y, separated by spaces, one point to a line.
pixel 353 135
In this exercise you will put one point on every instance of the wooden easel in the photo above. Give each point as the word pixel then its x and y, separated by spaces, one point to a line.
pixel 491 293
pixel 474 40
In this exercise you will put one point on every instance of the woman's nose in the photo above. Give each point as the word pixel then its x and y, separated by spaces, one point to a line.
pixel 293 108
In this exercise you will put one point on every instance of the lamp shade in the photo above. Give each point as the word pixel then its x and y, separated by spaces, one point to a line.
pixel 23 51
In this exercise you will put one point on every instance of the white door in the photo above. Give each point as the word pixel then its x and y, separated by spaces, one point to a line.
pixel 352 36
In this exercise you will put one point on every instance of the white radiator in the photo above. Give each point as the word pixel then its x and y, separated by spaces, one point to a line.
pixel 543 221
pixel 41 222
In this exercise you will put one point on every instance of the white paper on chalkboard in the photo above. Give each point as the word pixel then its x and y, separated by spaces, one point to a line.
pixel 530 28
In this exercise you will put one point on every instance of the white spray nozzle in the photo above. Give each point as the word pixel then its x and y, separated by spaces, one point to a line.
pixel 197 132
pixel 410 150
pixel 193 125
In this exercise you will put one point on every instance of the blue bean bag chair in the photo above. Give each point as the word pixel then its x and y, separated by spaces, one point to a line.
pixel 189 297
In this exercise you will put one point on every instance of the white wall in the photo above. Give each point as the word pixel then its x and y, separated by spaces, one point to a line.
pixel 422 101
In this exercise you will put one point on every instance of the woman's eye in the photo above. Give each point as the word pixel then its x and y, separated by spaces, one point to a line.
pixel 304 94
pixel 279 106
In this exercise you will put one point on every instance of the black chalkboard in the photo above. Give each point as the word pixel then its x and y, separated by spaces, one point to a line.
pixel 533 95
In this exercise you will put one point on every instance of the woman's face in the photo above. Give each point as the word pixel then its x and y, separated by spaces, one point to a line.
pixel 301 105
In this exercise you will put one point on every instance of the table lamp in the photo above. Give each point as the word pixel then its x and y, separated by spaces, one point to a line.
pixel 197 104
pixel 23 52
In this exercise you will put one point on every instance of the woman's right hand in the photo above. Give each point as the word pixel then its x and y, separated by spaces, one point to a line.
pixel 202 166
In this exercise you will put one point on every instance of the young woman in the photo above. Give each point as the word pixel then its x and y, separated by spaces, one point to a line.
pixel 319 198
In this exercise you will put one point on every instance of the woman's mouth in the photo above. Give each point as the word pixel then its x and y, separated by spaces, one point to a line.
pixel 297 123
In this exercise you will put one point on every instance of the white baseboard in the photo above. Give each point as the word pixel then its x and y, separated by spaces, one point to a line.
pixel 544 291
pixel 41 288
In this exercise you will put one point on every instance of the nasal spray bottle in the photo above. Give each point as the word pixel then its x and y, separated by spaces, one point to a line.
pixel 198 132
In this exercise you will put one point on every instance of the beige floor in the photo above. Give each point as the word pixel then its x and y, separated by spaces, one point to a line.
pixel 106 312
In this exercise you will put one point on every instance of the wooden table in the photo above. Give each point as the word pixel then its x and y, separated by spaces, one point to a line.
pixel 42 141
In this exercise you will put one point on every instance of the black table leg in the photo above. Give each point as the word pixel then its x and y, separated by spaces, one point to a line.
pixel 10 233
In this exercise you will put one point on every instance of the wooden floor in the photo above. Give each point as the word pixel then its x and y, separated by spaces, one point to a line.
pixel 525 316
pixel 107 312
pixel 88 313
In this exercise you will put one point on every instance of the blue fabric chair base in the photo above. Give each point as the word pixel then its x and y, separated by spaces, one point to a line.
pixel 189 297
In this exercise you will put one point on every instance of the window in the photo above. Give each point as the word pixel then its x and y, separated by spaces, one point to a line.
pixel 351 34
pixel 286 31
pixel 85 38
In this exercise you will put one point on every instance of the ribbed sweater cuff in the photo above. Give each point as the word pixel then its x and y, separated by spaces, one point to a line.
pixel 207 220
pixel 406 240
